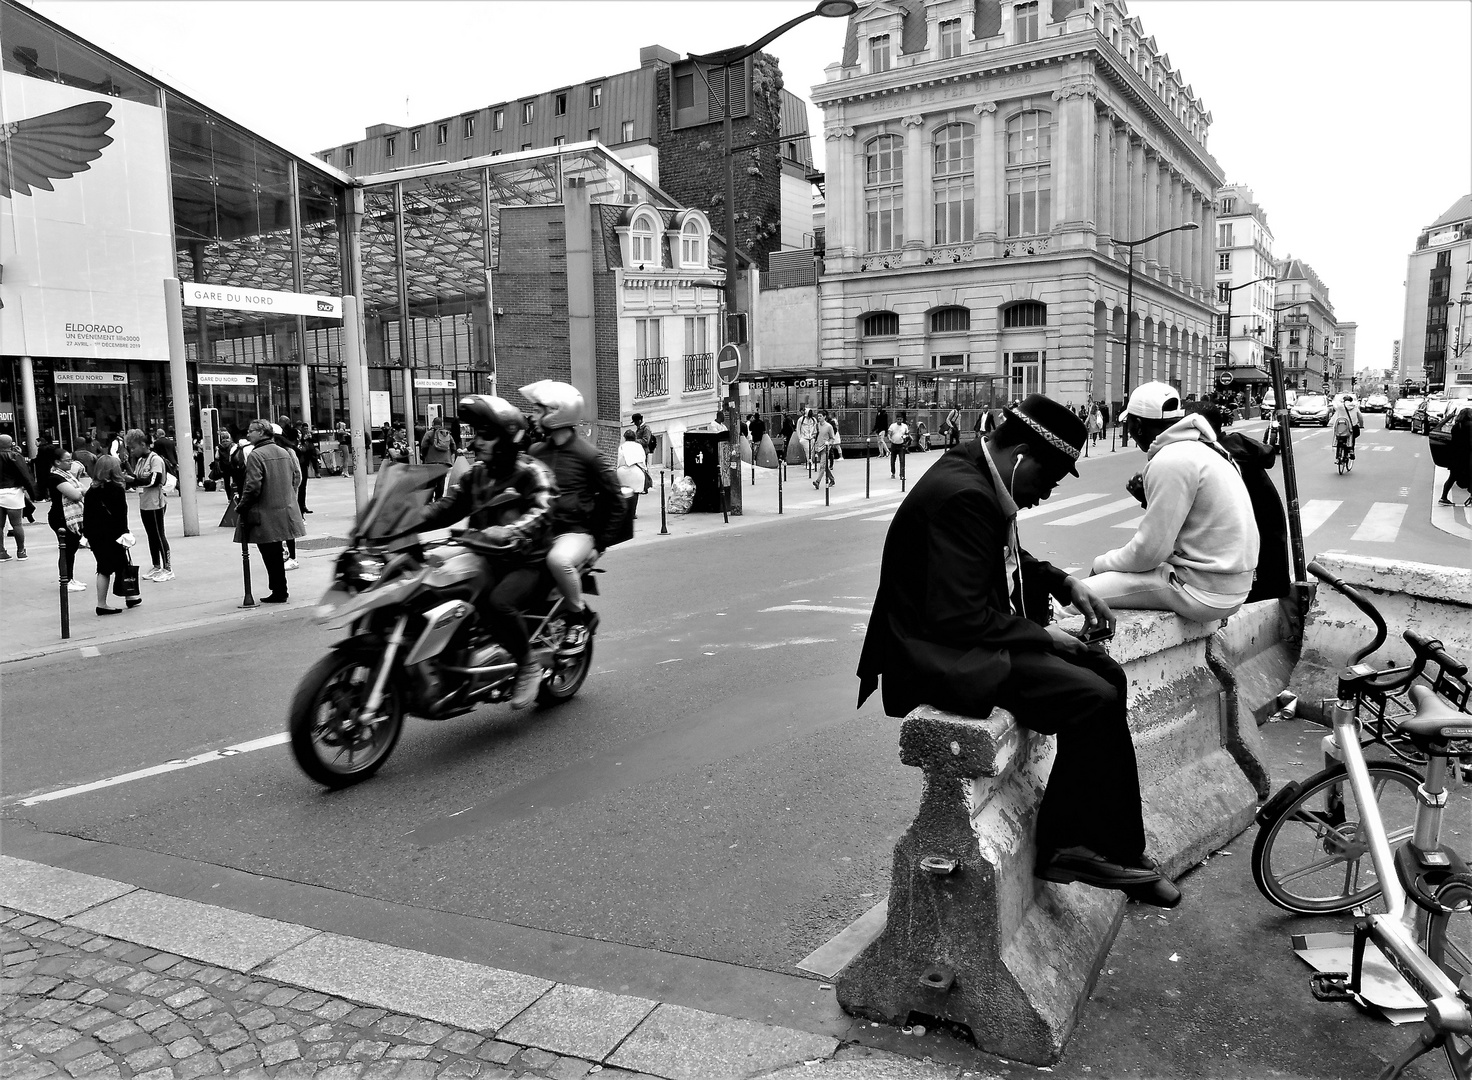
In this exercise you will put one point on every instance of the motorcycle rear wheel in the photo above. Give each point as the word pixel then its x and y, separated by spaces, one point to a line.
pixel 562 684
pixel 328 740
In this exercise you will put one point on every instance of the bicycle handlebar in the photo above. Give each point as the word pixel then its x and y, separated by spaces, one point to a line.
pixel 1431 649
pixel 1360 601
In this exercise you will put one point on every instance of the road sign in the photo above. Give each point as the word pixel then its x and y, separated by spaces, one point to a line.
pixel 210 378
pixel 434 384
pixel 1224 378
pixel 269 301
pixel 730 363
pixel 91 378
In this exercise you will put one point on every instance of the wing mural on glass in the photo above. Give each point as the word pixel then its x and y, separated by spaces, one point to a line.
pixel 52 146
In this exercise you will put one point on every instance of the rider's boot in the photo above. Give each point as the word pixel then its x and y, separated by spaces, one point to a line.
pixel 580 625
pixel 528 681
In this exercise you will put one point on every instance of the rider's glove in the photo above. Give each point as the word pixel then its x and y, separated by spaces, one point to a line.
pixel 497 536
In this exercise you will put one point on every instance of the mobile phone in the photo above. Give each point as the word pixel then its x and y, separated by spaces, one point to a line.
pixel 1088 635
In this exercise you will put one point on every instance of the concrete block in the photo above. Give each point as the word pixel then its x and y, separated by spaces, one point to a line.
pixel 687 1044
pixel 1433 600
pixel 990 946
pixel 52 892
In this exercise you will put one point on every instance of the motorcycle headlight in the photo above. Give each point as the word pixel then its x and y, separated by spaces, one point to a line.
pixel 362 567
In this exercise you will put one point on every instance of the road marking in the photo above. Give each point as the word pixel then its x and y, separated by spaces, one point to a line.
pixel 155 770
pixel 676 660
pixel 882 517
pixel 849 513
pixel 1382 523
pixel 1061 504
pixel 1132 523
pixel 818 607
pixel 1315 512
pixel 829 959
pixel 792 641
pixel 1097 512
pixel 89 651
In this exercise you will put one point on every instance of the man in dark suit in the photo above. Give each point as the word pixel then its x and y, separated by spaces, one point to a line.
pixel 961 623
pixel 267 509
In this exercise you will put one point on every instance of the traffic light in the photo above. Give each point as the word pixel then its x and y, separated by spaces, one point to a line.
pixel 736 328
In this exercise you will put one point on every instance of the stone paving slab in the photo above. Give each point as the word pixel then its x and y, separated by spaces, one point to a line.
pixel 452 991
pixel 687 1044
pixel 52 892
pixel 216 935
pixel 578 1021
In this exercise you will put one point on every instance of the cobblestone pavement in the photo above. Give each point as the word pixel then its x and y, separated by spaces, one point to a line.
pixel 74 1004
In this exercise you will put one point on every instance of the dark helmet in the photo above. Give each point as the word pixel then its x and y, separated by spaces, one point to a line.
pixel 492 417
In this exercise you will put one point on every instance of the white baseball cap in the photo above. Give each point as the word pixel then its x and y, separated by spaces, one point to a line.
pixel 1155 401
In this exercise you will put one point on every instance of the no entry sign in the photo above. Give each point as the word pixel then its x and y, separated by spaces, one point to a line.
pixel 730 363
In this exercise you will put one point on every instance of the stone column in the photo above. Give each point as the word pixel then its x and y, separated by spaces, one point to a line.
pixel 919 228
pixel 1150 217
pixel 1121 139
pixel 857 209
pixel 1208 246
pixel 990 178
pixel 1177 240
pixel 1161 245
pixel 1103 150
pixel 1188 245
pixel 28 410
pixel 841 191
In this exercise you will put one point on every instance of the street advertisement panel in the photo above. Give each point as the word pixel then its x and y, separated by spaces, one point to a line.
pixel 85 234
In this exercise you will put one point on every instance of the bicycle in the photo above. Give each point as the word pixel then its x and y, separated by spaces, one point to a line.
pixel 1343 452
pixel 1309 854
pixel 1425 871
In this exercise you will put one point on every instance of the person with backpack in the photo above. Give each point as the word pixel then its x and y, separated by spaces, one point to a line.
pixel 438 448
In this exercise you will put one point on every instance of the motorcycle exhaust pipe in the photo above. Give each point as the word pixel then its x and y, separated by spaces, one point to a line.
pixel 494 670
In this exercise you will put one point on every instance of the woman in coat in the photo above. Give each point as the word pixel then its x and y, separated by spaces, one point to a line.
pixel 104 519
pixel 1459 472
pixel 631 469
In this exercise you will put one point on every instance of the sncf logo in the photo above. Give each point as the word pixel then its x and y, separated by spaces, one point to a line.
pixel 323 305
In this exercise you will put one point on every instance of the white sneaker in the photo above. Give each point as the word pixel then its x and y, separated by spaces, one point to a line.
pixel 75 586
pixel 292 564
pixel 164 575
pixel 152 574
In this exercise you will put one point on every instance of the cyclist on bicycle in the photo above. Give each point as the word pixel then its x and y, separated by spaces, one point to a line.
pixel 1346 421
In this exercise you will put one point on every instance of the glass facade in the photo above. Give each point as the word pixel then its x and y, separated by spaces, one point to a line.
pixel 417 246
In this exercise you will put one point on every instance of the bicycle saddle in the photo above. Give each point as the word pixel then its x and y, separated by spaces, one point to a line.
pixel 1434 721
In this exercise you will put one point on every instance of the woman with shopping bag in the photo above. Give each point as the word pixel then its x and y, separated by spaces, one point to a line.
pixel 633 470
pixel 105 525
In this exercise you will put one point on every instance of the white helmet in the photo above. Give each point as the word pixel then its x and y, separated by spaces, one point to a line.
pixel 562 402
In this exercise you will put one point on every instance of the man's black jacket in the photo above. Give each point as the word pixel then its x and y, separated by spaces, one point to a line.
pixel 942 632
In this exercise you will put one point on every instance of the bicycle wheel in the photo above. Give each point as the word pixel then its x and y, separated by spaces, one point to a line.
pixel 1311 856
pixel 1449 944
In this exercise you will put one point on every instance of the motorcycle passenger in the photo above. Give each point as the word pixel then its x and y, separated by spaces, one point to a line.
pixel 508 497
pixel 1346 421
pixel 589 505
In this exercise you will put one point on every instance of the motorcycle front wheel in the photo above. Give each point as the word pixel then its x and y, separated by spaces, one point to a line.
pixel 331 739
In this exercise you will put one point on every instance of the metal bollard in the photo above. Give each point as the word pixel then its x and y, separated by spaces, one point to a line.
pixel 64 581
pixel 249 601
pixel 867 458
pixel 663 525
pixel 781 468
pixel 726 504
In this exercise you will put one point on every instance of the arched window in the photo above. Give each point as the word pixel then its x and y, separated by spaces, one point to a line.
pixel 1029 174
pixel 953 190
pixel 641 242
pixel 1025 314
pixel 950 320
pixel 884 192
pixel 692 244
pixel 881 324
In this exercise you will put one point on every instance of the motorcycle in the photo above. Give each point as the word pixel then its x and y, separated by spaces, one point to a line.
pixel 415 644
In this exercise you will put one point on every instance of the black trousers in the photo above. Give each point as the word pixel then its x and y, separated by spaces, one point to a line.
pixel 896 457
pixel 1093 795
pixel 502 604
pixel 275 560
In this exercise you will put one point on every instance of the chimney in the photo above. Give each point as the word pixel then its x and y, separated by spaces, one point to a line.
pixel 654 55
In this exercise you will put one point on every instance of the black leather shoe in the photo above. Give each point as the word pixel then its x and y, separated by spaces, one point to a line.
pixel 1161 893
pixel 1081 864
pixel 275 598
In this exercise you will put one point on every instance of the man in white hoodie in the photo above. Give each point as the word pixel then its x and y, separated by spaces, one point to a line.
pixel 1195 550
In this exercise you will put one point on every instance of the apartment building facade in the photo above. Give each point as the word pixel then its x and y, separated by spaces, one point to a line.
pixel 1438 293
pixel 1306 326
pixel 1244 289
pixel 987 162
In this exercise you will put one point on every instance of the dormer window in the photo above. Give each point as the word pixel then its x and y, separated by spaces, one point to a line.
pixel 641 242
pixel 879 56
pixel 950 38
pixel 1025 23
pixel 692 245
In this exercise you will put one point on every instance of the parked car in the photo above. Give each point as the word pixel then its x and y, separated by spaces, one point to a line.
pixel 1401 412
pixel 1429 414
pixel 1269 403
pixel 1375 403
pixel 1441 434
pixel 1309 409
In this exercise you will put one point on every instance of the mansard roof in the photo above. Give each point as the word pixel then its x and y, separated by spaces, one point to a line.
pixel 1460 210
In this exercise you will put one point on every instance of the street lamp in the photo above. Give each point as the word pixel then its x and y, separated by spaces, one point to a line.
pixel 828 9
pixel 1129 313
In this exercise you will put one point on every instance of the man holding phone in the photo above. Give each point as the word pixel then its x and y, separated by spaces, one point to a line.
pixel 961 622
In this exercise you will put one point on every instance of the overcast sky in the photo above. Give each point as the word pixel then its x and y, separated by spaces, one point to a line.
pixel 1351 121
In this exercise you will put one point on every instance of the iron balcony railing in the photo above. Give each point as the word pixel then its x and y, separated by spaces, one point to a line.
pixel 652 377
pixel 699 371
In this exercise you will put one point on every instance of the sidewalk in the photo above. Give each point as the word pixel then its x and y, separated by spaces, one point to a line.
pixel 207 588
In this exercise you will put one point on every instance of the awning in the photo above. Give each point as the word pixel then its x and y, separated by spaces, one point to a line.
pixel 1241 375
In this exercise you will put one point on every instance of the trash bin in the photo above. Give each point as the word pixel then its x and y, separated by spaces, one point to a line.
pixel 703 465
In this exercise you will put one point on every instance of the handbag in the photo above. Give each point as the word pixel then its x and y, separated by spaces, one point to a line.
pixel 127 580
pixel 171 484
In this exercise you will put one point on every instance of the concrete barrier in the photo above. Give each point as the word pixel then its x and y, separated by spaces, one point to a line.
pixel 972 937
pixel 1433 600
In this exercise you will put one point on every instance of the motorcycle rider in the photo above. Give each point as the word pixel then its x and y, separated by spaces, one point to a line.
pixel 508 497
pixel 589 507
